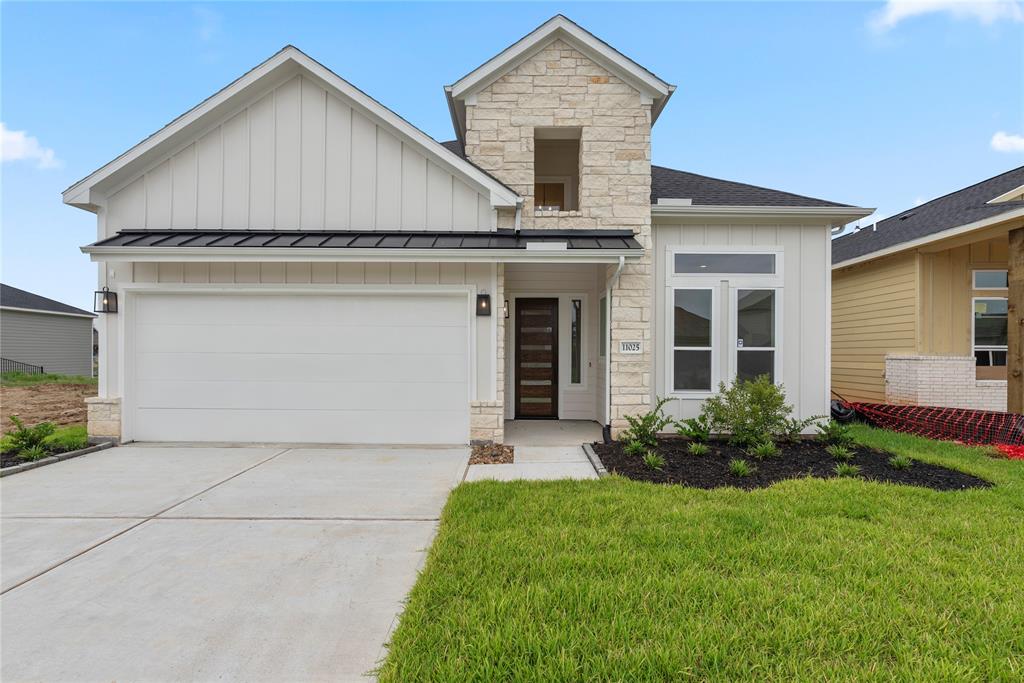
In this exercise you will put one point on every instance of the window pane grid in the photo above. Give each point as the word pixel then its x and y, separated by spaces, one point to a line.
pixel 692 331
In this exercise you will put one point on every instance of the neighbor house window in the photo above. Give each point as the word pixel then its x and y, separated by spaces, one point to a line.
pixel 990 279
pixel 692 333
pixel 576 342
pixel 755 333
pixel 556 168
pixel 990 337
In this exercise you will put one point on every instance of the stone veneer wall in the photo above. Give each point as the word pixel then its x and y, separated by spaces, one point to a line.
pixel 487 418
pixel 947 381
pixel 559 86
pixel 104 419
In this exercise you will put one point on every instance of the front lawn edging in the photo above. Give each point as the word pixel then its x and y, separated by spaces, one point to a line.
pixel 594 460
pixel 51 459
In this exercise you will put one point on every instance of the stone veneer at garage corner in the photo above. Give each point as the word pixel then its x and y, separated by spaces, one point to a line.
pixel 104 418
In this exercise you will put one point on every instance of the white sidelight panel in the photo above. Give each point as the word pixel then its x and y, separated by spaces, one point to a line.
pixel 304 367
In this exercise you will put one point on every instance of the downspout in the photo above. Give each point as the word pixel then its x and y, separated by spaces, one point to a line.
pixel 607 429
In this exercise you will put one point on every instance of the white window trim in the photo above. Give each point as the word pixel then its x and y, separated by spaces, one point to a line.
pixel 766 280
pixel 974 281
pixel 670 334
pixel 984 347
pixel 734 310
pixel 582 384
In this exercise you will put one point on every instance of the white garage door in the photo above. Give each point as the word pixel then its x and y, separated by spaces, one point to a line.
pixel 310 368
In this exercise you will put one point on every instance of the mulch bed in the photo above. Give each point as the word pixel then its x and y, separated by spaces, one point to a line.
pixel 801 459
pixel 10 460
pixel 491 454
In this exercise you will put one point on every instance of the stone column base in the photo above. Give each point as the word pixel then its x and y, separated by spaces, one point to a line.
pixel 486 422
pixel 944 381
pixel 104 419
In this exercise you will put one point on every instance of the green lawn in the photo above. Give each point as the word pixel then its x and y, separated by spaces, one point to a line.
pixel 614 580
pixel 25 379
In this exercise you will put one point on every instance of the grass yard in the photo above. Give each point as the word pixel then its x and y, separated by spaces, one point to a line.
pixel 810 579
pixel 31 379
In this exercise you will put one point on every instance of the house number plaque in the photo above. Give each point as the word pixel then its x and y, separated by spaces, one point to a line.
pixel 631 347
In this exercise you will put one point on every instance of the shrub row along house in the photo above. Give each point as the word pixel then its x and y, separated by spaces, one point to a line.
pixel 294 262
pixel 924 308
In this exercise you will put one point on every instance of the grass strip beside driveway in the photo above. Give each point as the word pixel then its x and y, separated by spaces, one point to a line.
pixel 807 580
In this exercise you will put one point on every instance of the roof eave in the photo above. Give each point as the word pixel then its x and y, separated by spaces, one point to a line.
pixel 836 215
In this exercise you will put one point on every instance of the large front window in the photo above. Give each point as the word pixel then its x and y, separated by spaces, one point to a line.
pixel 755 333
pixel 692 339
pixel 990 337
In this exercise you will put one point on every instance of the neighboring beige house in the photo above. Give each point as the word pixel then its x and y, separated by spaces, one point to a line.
pixel 920 301
pixel 296 263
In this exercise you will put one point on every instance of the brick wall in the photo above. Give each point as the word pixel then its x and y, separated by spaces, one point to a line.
pixel 947 381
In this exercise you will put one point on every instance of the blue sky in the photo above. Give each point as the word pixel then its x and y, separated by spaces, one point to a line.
pixel 876 104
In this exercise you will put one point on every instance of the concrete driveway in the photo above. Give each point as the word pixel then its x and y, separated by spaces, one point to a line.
pixel 177 563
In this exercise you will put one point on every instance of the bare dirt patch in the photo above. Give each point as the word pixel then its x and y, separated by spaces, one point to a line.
pixel 62 404
pixel 491 454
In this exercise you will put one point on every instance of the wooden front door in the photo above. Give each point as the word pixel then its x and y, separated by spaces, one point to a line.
pixel 536 358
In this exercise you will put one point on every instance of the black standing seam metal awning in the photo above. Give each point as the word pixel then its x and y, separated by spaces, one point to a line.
pixel 619 240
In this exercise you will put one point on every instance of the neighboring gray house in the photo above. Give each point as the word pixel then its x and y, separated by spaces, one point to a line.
pixel 42 332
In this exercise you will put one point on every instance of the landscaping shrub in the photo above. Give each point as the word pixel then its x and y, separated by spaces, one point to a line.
pixel 751 411
pixel 900 462
pixel 740 468
pixel 653 460
pixel 698 448
pixel 645 428
pixel 793 427
pixel 695 428
pixel 839 452
pixel 635 448
pixel 835 433
pixel 847 469
pixel 766 449
pixel 24 438
pixel 32 453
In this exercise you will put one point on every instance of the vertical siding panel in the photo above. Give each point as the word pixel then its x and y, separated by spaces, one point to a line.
pixel 222 272
pixel 183 188
pixel 403 273
pixel 741 235
pixel 236 172
pixel 298 273
pixel 389 181
pixel 288 143
pixel 791 335
pixel 414 190
pixel 483 212
pixel 377 273
pixel 145 272
pixel 128 207
pixel 324 273
pixel 158 197
pixel 271 273
pixel 247 273
pixel 198 273
pixel 428 273
pixel 453 273
pixel 999 250
pixel 364 171
pixel 351 274
pixel 170 272
pixel 313 151
pixel 338 164
pixel 261 164
pixel 210 183
pixel 463 206
pixel 439 198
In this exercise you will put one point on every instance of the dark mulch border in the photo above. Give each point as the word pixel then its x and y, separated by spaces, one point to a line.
pixel 26 465
pixel 491 454
pixel 801 459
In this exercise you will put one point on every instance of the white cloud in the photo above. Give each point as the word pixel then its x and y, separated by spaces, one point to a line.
pixel 17 145
pixel 983 11
pixel 1007 142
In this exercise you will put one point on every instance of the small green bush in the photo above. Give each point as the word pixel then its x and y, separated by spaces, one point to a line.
pixel 793 427
pixel 67 439
pixel 740 468
pixel 698 448
pixel 847 469
pixel 654 460
pixel 695 428
pixel 634 448
pixel 32 454
pixel 766 449
pixel 839 452
pixel 24 438
pixel 900 462
pixel 751 411
pixel 835 433
pixel 645 428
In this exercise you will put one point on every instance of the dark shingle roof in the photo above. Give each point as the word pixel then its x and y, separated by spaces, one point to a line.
pixel 13 297
pixel 952 210
pixel 371 239
pixel 669 183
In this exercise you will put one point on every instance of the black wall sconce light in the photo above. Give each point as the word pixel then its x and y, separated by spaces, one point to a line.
pixel 483 304
pixel 105 301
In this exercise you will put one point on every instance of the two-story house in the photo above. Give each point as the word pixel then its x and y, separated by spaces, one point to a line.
pixel 291 261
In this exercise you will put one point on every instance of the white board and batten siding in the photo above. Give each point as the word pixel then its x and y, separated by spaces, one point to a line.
pixel 299 157
pixel 806 254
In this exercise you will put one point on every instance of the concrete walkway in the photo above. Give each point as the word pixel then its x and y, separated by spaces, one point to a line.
pixel 168 564
pixel 544 449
